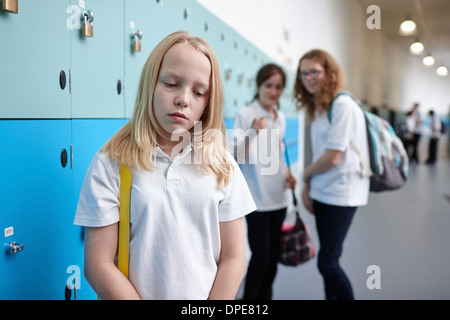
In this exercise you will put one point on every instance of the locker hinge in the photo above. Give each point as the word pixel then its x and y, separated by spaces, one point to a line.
pixel 124 87
pixel 70 81
pixel 71 156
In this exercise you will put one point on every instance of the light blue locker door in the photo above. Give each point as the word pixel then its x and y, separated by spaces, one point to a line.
pixel 35 204
pixel 145 16
pixel 175 15
pixel 231 69
pixel 204 24
pixel 194 18
pixel 35 51
pixel 97 62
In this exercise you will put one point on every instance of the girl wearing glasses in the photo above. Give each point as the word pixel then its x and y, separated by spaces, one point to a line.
pixel 333 184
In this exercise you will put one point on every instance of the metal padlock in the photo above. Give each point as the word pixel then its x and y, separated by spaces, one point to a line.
pixel 228 73
pixel 241 78
pixel 88 29
pixel 10 6
pixel 137 36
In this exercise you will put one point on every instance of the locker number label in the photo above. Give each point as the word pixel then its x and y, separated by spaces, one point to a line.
pixel 9 231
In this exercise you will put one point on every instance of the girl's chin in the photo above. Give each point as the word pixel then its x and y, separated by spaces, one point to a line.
pixel 176 131
pixel 312 90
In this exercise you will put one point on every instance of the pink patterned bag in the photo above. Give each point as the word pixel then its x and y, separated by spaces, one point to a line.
pixel 296 245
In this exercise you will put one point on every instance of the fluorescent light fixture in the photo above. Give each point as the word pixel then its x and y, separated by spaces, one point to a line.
pixel 442 71
pixel 428 60
pixel 416 48
pixel 407 28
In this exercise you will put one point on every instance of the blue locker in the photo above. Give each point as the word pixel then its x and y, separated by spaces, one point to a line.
pixel 175 15
pixel 36 201
pixel 97 62
pixel 35 54
pixel 194 18
pixel 85 145
pixel 145 16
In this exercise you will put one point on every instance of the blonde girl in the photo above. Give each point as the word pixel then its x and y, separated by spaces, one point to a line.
pixel 188 195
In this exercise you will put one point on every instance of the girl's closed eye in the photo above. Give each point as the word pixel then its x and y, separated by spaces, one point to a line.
pixel 170 84
pixel 199 93
pixel 200 90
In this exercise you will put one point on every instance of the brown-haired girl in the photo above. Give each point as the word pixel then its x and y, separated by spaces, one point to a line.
pixel 259 143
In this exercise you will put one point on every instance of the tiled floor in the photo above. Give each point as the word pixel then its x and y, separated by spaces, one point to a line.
pixel 406 233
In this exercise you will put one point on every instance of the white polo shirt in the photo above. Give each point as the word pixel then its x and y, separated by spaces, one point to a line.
pixel 344 184
pixel 174 215
pixel 263 167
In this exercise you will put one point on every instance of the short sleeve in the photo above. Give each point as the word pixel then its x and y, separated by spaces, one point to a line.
pixel 242 130
pixel 98 204
pixel 240 122
pixel 341 124
pixel 238 200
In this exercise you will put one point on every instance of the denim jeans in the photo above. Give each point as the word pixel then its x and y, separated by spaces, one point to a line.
pixel 332 224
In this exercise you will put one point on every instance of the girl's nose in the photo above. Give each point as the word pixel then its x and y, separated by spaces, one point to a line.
pixel 181 99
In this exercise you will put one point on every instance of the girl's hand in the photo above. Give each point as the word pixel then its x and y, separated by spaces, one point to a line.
pixel 291 182
pixel 259 124
pixel 307 201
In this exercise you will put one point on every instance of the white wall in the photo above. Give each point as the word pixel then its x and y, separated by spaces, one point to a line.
pixel 377 69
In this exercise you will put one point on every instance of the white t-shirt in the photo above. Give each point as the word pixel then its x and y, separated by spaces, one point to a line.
pixel 344 184
pixel 435 124
pixel 418 118
pixel 263 167
pixel 410 123
pixel 174 216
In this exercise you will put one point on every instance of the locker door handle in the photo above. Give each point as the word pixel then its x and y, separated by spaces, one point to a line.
pixel 14 247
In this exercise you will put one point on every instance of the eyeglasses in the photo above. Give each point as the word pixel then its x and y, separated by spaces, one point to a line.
pixel 314 73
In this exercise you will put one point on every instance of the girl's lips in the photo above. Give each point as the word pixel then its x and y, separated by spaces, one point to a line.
pixel 178 117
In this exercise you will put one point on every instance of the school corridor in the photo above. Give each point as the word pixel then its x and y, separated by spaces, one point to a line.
pixel 405 233
pixel 64 93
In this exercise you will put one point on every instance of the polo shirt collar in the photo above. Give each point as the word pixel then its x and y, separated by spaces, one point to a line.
pixel 187 150
pixel 267 113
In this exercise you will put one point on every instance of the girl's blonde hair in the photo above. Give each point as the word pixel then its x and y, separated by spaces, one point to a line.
pixel 334 81
pixel 135 143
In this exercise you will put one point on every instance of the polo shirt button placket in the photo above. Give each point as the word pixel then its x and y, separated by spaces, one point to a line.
pixel 172 179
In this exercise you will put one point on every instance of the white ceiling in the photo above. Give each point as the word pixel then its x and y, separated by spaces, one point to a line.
pixel 432 18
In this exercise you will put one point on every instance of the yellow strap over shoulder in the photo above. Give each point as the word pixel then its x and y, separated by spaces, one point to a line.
pixel 124 216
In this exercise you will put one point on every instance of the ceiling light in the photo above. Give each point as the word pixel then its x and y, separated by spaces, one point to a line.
pixel 407 28
pixel 428 60
pixel 442 71
pixel 416 48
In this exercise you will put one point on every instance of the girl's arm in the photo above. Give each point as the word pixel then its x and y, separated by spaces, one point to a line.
pixel 99 268
pixel 232 261
pixel 306 199
pixel 243 140
pixel 326 162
